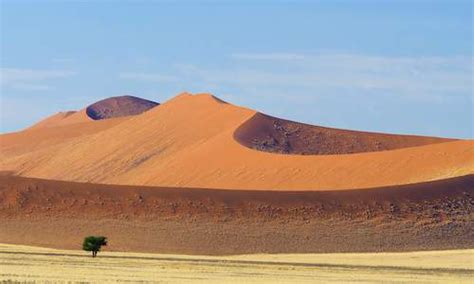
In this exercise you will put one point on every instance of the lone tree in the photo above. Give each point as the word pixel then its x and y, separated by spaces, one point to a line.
pixel 93 244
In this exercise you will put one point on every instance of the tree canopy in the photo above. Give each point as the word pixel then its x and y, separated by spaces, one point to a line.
pixel 94 244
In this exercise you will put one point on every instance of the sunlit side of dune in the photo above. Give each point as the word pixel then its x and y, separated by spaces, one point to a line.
pixel 62 118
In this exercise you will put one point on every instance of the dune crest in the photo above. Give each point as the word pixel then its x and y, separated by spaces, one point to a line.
pixel 61 119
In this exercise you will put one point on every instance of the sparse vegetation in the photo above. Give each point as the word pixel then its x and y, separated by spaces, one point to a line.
pixel 94 244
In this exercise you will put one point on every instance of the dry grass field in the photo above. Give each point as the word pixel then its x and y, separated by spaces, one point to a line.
pixel 32 265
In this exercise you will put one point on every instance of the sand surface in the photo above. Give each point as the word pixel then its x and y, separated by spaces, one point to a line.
pixel 189 142
pixel 426 216
pixel 17 143
pixel 22 263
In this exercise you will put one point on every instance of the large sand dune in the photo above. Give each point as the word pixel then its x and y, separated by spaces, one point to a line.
pixel 190 141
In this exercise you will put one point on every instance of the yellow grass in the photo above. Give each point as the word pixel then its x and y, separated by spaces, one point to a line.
pixel 33 264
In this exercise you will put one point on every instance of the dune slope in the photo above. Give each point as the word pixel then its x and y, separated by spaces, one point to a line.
pixel 433 215
pixel 19 143
pixel 189 141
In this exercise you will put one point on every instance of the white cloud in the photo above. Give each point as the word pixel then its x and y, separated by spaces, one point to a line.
pixel 30 79
pixel 148 77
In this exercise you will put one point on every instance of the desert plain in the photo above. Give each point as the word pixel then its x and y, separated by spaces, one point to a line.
pixel 26 264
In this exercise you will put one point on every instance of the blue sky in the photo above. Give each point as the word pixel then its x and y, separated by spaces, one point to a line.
pixel 388 66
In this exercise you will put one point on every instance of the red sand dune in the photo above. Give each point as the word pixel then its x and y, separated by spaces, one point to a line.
pixel 189 141
pixel 433 215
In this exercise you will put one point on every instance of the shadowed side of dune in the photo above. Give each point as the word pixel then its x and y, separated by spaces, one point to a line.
pixel 271 134
pixel 424 216
pixel 118 107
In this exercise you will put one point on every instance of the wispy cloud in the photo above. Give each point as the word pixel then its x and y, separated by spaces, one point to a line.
pixel 268 56
pixel 30 79
pixel 148 77
pixel 418 77
pixel 434 78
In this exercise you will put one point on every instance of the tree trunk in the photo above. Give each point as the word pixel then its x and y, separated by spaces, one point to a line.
pixel 94 253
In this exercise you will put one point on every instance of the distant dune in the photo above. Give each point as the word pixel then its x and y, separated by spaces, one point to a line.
pixel 104 109
pixel 201 141
pixel 118 107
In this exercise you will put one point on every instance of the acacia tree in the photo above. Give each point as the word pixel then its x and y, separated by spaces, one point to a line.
pixel 93 244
